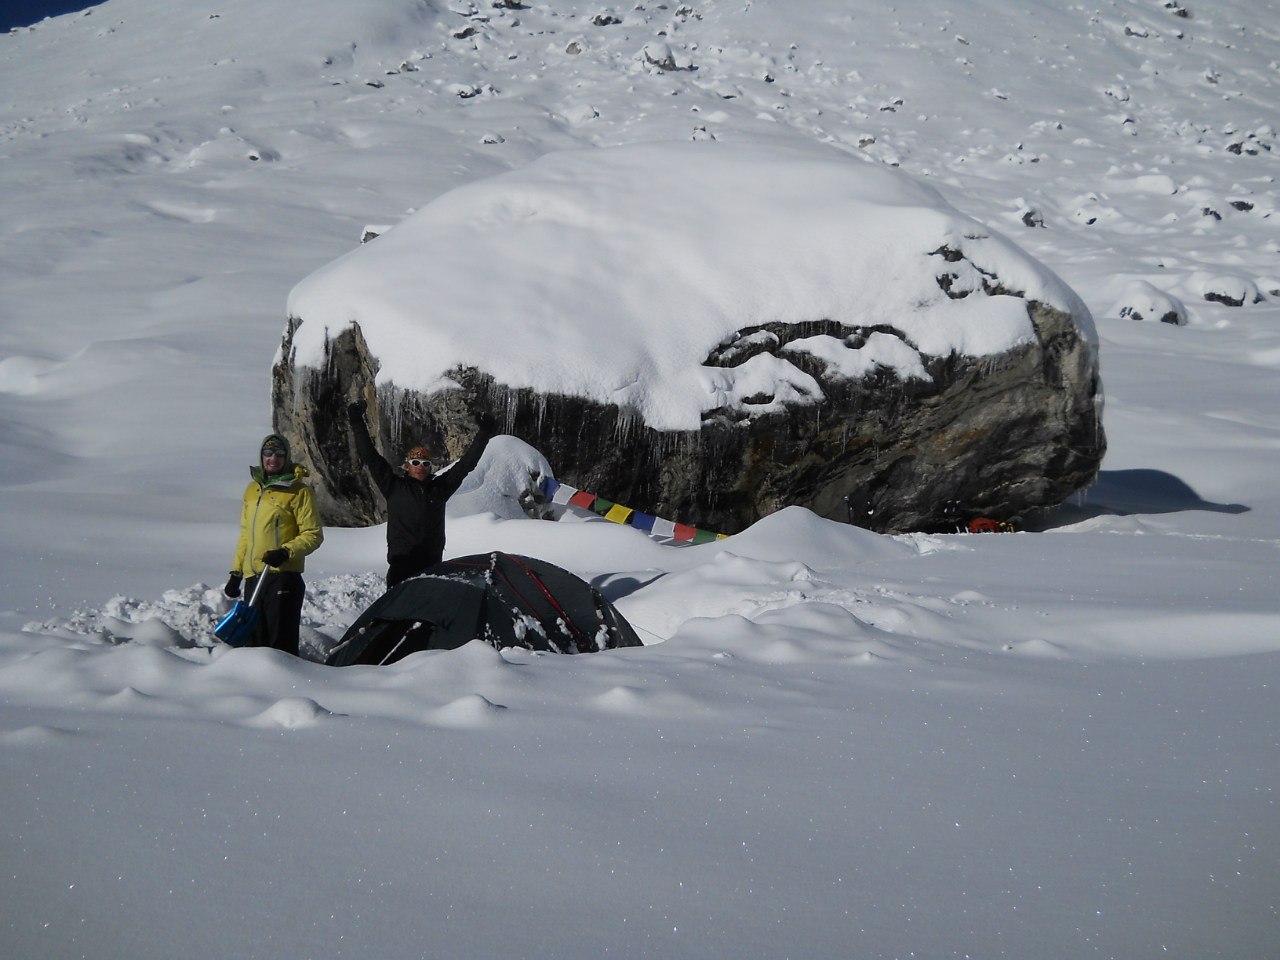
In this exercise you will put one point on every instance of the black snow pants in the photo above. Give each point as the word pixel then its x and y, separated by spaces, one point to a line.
pixel 280 610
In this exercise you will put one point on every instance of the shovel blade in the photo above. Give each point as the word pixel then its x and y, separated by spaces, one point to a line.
pixel 237 627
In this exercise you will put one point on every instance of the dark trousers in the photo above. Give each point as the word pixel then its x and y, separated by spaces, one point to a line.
pixel 280 610
pixel 400 569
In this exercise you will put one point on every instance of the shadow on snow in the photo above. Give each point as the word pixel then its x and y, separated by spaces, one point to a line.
pixel 1122 493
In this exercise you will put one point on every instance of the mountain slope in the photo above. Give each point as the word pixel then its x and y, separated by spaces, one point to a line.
pixel 844 744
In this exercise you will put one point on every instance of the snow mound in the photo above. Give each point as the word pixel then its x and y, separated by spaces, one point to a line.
pixel 472 710
pixel 35 736
pixel 290 713
pixel 1144 301
pixel 613 273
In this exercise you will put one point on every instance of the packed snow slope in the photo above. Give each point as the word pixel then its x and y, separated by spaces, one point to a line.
pixel 1056 743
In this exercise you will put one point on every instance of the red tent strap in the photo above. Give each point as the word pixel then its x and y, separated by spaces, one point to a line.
pixel 537 581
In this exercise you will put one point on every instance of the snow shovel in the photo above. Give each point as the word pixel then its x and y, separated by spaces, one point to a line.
pixel 237 627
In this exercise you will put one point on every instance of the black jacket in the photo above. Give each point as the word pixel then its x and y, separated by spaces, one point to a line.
pixel 415 508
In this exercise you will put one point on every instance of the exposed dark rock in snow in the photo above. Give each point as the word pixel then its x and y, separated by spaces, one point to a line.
pixel 1143 301
pixel 1232 291
pixel 1253 144
pixel 659 56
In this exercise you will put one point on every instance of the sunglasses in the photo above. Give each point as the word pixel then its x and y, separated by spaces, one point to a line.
pixel 418 463
pixel 272 452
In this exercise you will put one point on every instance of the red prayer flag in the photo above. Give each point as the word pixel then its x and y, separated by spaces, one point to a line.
pixel 583 499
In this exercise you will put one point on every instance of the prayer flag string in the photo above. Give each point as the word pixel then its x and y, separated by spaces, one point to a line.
pixel 562 494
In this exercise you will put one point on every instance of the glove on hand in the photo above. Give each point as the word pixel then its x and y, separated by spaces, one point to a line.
pixel 273 558
pixel 232 589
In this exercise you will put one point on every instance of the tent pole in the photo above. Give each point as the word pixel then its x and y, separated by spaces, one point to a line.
pixel 391 652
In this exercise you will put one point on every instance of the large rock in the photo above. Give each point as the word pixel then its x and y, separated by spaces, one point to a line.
pixel 866 352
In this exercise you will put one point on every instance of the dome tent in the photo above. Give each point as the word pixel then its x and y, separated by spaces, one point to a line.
pixel 501 598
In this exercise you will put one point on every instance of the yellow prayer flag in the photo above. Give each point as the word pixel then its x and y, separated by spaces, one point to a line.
pixel 619 514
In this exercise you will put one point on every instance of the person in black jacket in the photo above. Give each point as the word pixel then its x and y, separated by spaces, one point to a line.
pixel 415 500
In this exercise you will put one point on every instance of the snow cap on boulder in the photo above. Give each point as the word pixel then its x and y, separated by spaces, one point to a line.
pixel 613 273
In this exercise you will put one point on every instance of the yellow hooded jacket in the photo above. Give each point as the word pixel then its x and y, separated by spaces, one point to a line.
pixel 277 511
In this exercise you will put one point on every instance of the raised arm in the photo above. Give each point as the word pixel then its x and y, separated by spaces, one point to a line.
pixel 382 472
pixel 449 482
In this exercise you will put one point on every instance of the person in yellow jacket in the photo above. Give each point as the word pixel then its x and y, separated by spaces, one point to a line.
pixel 279 526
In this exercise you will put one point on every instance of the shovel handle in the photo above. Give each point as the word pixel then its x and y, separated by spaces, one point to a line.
pixel 262 577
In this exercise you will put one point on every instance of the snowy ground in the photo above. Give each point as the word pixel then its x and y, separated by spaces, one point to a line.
pixel 1054 743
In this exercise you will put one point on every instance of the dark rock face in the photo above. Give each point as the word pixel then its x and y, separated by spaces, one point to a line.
pixel 992 436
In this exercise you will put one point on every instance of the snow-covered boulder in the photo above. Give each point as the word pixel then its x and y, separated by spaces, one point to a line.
pixel 1145 301
pixel 1231 290
pixel 708 332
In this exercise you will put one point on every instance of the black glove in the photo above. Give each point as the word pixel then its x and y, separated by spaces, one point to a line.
pixel 274 558
pixel 356 409
pixel 232 589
